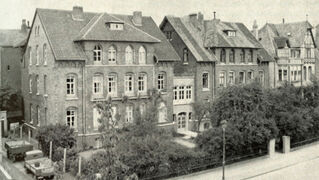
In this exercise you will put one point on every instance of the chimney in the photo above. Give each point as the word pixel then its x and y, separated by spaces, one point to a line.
pixel 214 15
pixel 137 18
pixel 200 18
pixel 28 23
pixel 77 13
pixel 24 26
pixel 255 29
pixel 193 19
pixel 283 20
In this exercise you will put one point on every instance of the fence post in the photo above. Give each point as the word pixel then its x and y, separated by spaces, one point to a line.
pixel 20 132
pixel 286 144
pixel 50 156
pixel 64 160
pixel 271 147
pixel 80 159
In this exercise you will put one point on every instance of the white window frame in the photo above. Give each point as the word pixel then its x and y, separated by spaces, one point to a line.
pixel 112 85
pixel 205 88
pixel 142 55
pixel 142 83
pixel 161 81
pixel 129 114
pixel 181 93
pixel 30 84
pixel 176 95
pixel 37 80
pixel 71 85
pixel 252 75
pixel 129 84
pixel 116 26
pixel 112 54
pixel 97 54
pixel 188 92
pixel 97 84
pixel 129 55
pixel 71 117
pixel 222 79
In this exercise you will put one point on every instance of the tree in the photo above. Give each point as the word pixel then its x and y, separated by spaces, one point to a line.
pixel 201 112
pixel 62 136
pixel 10 99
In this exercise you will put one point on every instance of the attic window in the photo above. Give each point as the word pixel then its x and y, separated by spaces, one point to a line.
pixel 231 33
pixel 116 26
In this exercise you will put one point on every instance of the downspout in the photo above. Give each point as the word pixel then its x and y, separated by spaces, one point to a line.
pixel 83 104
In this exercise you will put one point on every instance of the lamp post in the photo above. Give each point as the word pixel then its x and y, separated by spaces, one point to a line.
pixel 224 125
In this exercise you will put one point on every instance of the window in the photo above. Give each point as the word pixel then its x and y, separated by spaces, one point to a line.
pixel 45 54
pixel 129 55
pixel 96 118
pixel 31 114
pixel 250 75
pixel 181 92
pixel 206 126
pixel 128 80
pixel 98 84
pixel 168 35
pixel 308 53
pixel 222 79
pixel 45 84
pixel 112 54
pixel 310 72
pixel 305 73
pixel 231 77
pixel 70 85
pixel 112 85
pixel 280 75
pixel 97 53
pixel 142 108
pixel 232 33
pixel 37 55
pixel 250 56
pixel 141 55
pixel 162 113
pixel 30 83
pixel 242 56
pixel 223 56
pixel 116 26
pixel 160 81
pixel 38 116
pixel 129 114
pixel 175 93
pixel 205 81
pixel 241 77
pixel 295 53
pixel 232 56
pixel 285 75
pixel 190 115
pixel 188 92
pixel 30 56
pixel 142 82
pixel 38 84
pixel 71 116
pixel 185 56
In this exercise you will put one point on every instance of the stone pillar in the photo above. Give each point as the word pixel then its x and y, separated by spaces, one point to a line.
pixel 286 144
pixel 271 147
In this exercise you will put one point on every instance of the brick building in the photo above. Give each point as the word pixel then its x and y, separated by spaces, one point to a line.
pixel 293 47
pixel 75 58
pixel 215 54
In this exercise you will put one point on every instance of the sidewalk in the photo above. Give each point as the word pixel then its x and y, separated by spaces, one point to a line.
pixel 262 165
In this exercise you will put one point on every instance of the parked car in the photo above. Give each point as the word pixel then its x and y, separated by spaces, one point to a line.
pixel 16 149
pixel 41 167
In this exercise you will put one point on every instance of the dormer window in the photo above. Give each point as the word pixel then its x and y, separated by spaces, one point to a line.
pixel 116 26
pixel 231 33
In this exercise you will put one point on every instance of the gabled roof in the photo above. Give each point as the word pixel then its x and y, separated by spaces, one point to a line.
pixel 216 35
pixel 96 29
pixel 273 36
pixel 11 37
pixel 64 33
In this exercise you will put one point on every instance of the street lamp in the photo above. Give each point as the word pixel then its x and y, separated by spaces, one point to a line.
pixel 224 125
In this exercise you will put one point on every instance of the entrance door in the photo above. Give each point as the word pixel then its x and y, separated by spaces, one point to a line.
pixel 181 121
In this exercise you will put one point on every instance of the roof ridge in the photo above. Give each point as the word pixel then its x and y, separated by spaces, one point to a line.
pixel 137 28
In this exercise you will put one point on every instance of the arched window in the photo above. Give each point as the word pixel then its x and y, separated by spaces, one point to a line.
pixel 112 54
pixel 205 81
pixel 97 53
pixel 305 73
pixel 38 84
pixel 129 84
pixel 142 82
pixel 232 56
pixel 71 117
pixel 162 113
pixel 223 56
pixel 142 55
pixel 181 120
pixel 37 55
pixel 30 84
pixel 310 73
pixel 242 56
pixel 129 55
pixel 30 56
pixel 71 85
pixel 98 84
pixel 129 113
pixel 112 85
pixel 185 56
pixel 45 54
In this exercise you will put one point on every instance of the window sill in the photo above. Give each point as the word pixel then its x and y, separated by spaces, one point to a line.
pixel 38 94
pixel 205 89
pixel 71 98
pixel 185 63
pixel 45 95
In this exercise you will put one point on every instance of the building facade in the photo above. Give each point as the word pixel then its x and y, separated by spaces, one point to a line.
pixel 293 47
pixel 215 54
pixel 75 59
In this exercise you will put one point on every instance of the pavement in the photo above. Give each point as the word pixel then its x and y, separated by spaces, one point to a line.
pixel 301 163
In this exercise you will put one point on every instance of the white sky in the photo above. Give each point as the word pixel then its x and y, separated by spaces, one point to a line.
pixel 272 11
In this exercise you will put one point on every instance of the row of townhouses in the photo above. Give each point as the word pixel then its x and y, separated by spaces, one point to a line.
pixel 72 59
